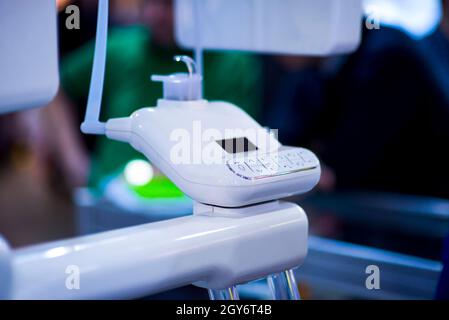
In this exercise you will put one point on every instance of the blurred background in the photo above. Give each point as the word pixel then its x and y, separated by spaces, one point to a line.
pixel 378 119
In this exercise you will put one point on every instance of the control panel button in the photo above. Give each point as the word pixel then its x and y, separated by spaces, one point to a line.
pixel 251 162
pixel 241 169
pixel 273 164
pixel 269 163
pixel 308 157
pixel 297 162
pixel 258 169
pixel 284 163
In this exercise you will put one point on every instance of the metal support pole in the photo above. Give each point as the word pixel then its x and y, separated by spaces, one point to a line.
pixel 230 293
pixel 283 286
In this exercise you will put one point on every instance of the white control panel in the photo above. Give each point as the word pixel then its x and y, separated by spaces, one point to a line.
pixel 214 151
pixel 273 164
pixel 178 136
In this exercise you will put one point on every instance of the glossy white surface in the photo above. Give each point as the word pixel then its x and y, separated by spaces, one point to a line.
pixel 318 27
pixel 159 132
pixel 213 250
pixel 28 54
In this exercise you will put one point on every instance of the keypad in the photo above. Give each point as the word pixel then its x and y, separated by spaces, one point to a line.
pixel 273 164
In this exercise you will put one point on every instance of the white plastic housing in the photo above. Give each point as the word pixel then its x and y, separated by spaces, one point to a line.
pixel 214 249
pixel 305 27
pixel 160 132
pixel 28 54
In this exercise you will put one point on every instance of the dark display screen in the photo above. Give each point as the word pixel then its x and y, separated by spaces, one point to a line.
pixel 236 145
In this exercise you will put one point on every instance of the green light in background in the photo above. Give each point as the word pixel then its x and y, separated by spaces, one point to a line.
pixel 140 177
pixel 138 173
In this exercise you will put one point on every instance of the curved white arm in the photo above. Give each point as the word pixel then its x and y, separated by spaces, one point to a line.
pixel 210 249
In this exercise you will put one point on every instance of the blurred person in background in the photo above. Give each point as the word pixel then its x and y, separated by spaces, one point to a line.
pixel 436 49
pixel 40 164
pixel 378 118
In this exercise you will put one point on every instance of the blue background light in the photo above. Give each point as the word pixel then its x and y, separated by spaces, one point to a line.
pixel 417 18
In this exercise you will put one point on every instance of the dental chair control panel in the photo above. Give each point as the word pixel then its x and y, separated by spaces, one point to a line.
pixel 213 151
pixel 285 161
